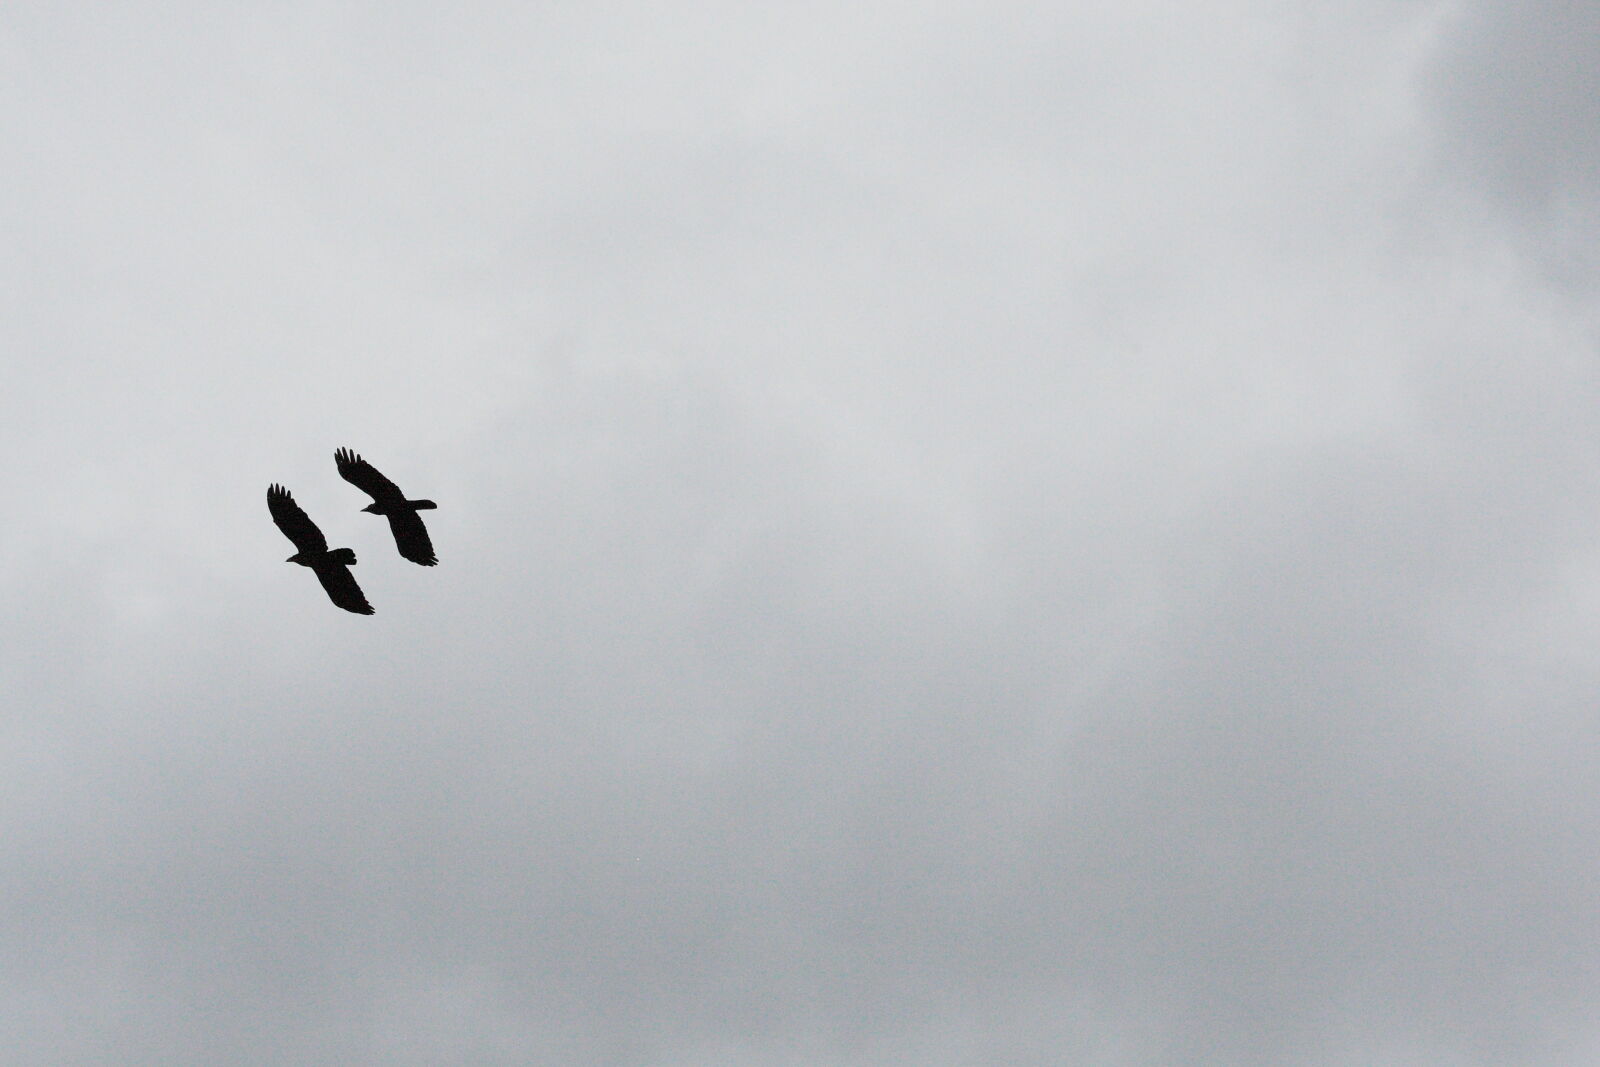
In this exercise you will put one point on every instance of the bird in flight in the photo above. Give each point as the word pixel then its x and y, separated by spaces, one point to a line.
pixel 332 567
pixel 410 536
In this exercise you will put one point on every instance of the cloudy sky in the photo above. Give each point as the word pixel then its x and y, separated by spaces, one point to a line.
pixel 971 533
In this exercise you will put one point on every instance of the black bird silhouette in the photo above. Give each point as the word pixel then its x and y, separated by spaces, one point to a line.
pixel 410 536
pixel 332 568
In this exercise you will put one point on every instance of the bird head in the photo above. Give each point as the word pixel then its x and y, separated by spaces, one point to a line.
pixel 372 508
pixel 296 558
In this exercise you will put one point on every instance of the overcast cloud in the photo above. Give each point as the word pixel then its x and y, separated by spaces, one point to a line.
pixel 970 534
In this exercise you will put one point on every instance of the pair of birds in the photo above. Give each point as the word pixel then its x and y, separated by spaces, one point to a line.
pixel 332 565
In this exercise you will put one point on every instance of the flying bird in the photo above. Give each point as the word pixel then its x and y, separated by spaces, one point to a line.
pixel 410 536
pixel 332 567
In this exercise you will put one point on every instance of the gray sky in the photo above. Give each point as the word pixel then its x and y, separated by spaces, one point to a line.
pixel 970 534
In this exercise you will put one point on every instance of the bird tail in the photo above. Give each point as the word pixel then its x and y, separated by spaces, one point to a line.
pixel 342 555
pixel 421 505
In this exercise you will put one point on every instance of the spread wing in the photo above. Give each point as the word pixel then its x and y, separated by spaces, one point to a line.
pixel 294 523
pixel 365 477
pixel 342 588
pixel 411 537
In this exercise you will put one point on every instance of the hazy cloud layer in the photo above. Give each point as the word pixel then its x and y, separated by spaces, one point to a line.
pixel 968 535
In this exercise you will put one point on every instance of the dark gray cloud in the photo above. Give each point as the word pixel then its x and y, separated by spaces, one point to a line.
pixel 1518 95
pixel 1520 90
pixel 968 535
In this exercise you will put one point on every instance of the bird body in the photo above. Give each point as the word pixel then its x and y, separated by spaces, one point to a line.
pixel 330 565
pixel 410 535
pixel 399 507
